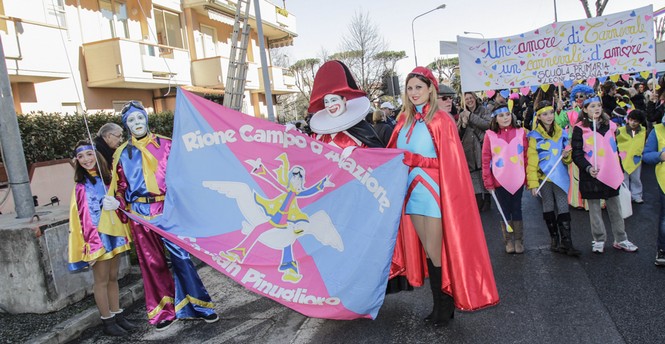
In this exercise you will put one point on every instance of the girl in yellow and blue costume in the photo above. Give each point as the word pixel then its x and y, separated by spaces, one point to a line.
pixel 630 142
pixel 90 248
pixel 548 155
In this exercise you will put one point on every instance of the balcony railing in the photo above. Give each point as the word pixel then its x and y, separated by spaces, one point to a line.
pixel 277 22
pixel 126 63
pixel 26 45
pixel 210 72
pixel 281 81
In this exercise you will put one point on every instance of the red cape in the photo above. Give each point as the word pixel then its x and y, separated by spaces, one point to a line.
pixel 466 269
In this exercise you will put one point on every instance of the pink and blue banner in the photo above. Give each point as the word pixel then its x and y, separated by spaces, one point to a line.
pixel 587 49
pixel 286 216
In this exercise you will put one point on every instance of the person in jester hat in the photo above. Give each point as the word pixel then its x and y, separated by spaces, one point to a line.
pixel 595 154
pixel 139 186
pixel 90 248
pixel 630 141
pixel 504 172
pixel 549 154
pixel 440 215
pixel 339 108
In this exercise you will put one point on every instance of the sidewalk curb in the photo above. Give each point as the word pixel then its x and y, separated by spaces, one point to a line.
pixel 72 328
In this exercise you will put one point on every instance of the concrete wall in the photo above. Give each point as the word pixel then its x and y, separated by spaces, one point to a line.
pixel 33 264
pixel 47 179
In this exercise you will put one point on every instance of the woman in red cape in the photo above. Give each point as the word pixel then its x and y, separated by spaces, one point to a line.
pixel 441 236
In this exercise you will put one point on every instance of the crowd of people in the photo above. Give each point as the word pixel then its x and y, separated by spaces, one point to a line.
pixel 568 147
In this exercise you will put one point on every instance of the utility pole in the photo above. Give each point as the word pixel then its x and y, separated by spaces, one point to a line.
pixel 264 62
pixel 12 147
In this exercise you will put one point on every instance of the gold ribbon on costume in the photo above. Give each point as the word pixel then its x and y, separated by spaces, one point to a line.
pixel 149 162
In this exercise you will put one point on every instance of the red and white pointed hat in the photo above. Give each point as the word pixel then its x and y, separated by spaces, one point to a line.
pixel 333 77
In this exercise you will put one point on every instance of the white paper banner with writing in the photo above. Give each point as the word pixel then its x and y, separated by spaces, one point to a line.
pixel 621 43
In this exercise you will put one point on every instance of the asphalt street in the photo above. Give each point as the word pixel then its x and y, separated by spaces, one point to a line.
pixel 614 297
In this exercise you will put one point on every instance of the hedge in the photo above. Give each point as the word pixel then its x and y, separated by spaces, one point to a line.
pixel 51 136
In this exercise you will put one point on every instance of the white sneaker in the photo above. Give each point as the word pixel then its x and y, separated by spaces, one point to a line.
pixel 597 246
pixel 625 246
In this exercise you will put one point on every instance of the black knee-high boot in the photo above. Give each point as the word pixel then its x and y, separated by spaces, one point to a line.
pixel 435 295
pixel 550 221
pixel 446 309
pixel 566 239
pixel 444 306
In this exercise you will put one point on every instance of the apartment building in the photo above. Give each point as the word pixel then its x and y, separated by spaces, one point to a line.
pixel 94 55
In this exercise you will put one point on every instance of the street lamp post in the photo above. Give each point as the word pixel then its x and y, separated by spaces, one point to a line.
pixel 474 33
pixel 413 36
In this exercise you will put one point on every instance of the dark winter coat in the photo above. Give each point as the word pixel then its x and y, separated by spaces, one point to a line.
pixel 383 131
pixel 472 137
pixel 590 187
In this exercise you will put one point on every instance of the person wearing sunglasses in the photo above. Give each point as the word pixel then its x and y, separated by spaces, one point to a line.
pixel 445 97
pixel 138 184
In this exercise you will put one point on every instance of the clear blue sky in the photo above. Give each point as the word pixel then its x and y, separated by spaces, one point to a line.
pixel 323 23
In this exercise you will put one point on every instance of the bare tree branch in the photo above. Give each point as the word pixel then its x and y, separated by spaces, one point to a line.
pixel 360 46
pixel 600 7
pixel 585 4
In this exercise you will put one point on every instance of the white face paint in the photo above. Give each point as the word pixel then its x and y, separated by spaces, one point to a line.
pixel 336 105
pixel 137 124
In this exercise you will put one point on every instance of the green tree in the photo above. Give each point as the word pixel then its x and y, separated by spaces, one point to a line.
pixel 444 67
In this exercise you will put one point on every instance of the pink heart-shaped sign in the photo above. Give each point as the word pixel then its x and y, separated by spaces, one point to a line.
pixel 625 77
pixel 490 93
pixel 591 81
pixel 525 90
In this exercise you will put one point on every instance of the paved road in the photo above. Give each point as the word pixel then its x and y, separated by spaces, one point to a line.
pixel 616 297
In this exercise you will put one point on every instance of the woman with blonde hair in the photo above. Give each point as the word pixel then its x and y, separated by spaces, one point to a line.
pixel 438 216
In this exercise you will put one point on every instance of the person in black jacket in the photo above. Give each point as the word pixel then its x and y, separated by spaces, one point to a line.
pixel 600 174
pixel 383 129
pixel 610 96
pixel 656 104
pixel 109 137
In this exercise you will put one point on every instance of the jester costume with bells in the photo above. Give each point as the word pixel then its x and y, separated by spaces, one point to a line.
pixel 138 183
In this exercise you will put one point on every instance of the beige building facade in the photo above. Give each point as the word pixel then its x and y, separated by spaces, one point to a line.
pixel 94 55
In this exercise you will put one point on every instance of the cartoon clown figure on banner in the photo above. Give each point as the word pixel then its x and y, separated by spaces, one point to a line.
pixel 339 108
pixel 278 222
